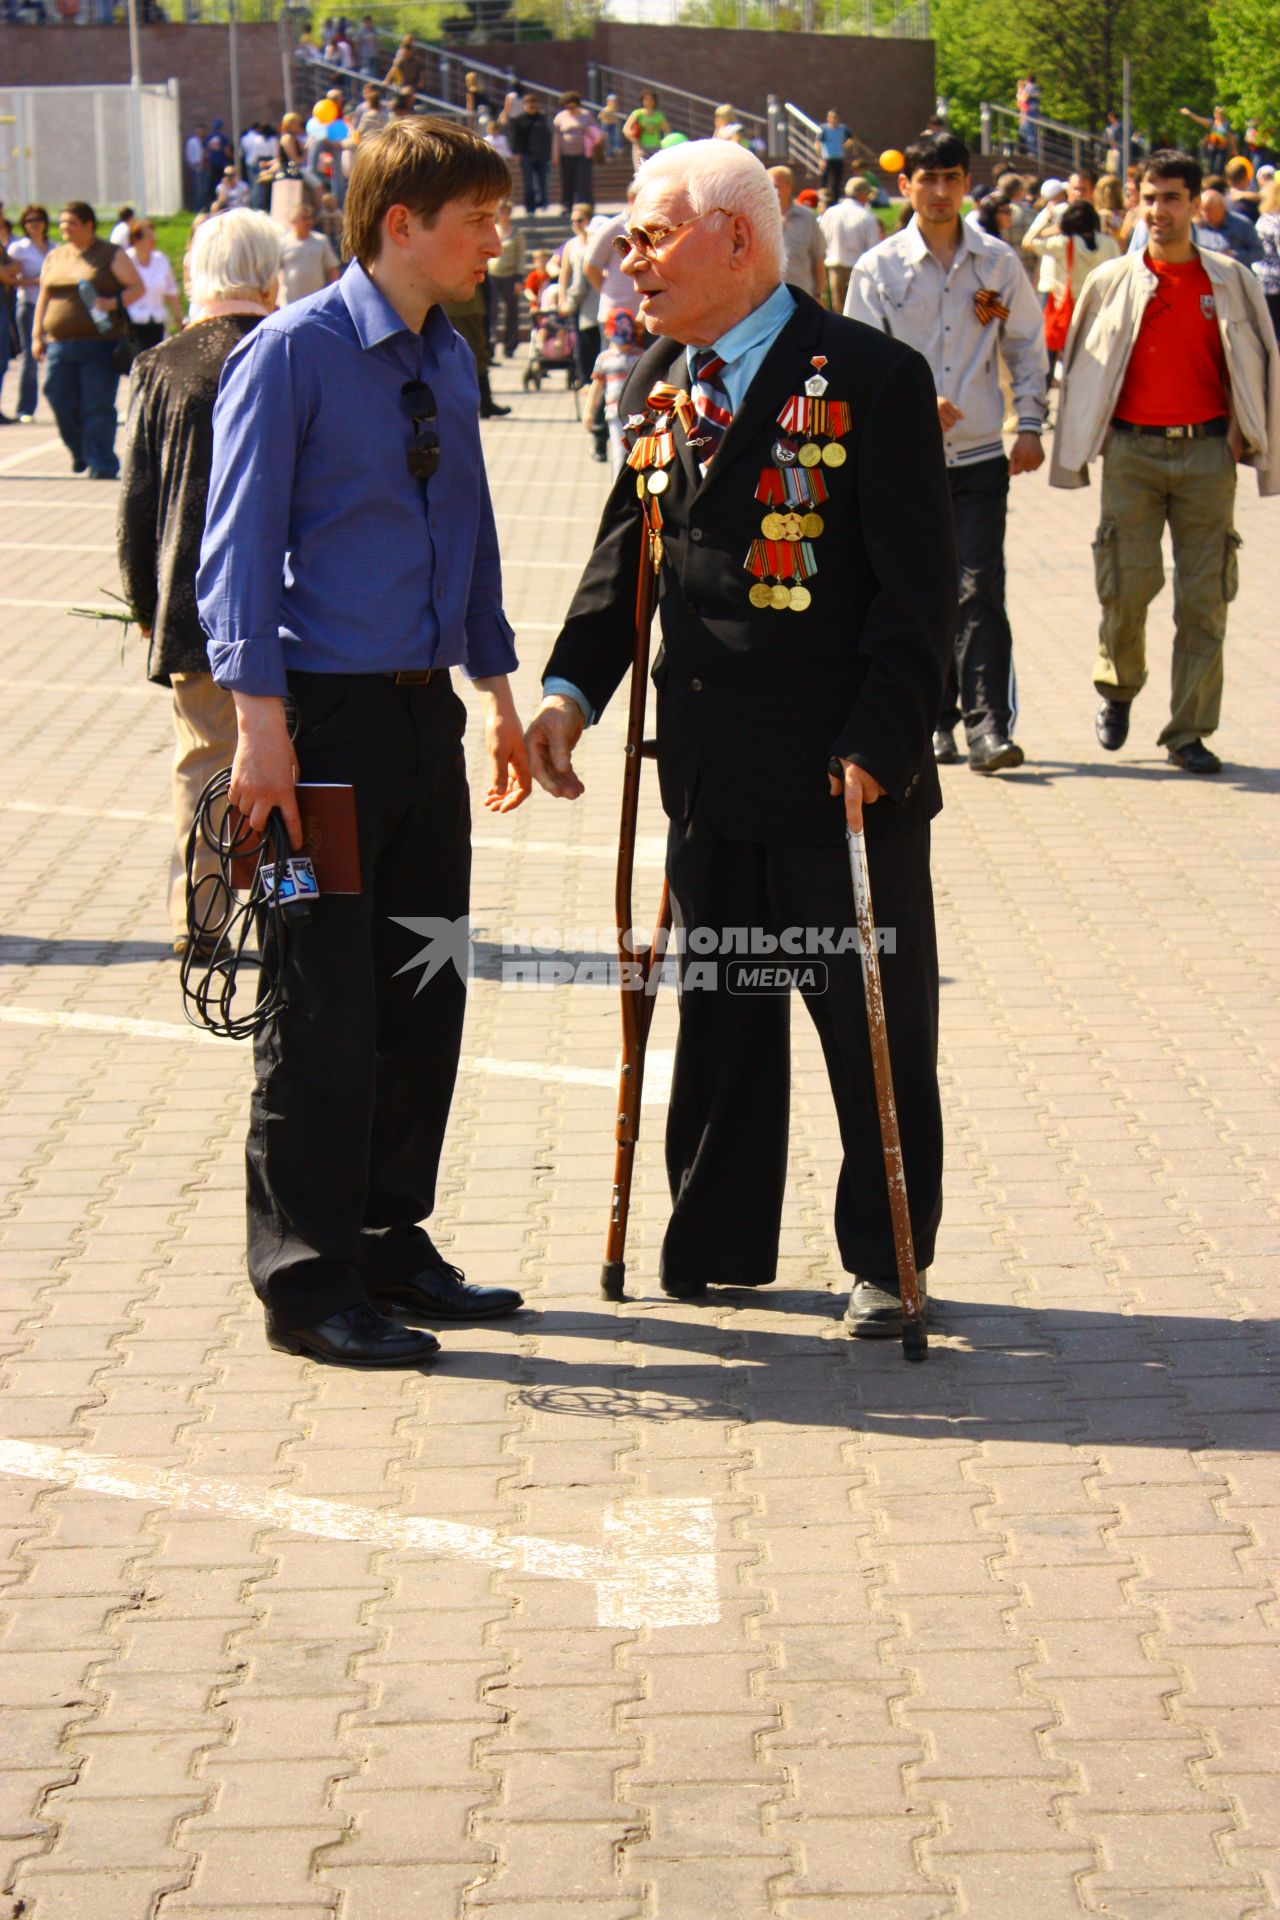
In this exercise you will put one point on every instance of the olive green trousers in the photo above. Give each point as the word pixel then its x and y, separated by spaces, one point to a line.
pixel 1190 486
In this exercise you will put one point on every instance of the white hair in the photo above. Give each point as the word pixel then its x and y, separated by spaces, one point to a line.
pixel 719 173
pixel 233 252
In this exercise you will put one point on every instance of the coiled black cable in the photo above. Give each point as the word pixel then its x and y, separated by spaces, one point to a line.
pixel 233 967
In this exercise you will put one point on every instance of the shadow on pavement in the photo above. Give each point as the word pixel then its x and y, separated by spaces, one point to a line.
pixel 1049 1376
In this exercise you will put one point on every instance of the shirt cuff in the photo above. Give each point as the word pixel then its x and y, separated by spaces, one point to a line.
pixel 254 667
pixel 554 684
pixel 491 645
pixel 1030 423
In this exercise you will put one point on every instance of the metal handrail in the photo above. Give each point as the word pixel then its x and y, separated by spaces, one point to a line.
pixel 695 110
pixel 352 81
pixel 1055 143
pixel 803 139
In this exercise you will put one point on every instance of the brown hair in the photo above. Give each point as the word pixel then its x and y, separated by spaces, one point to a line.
pixel 138 227
pixel 81 210
pixel 33 212
pixel 1110 194
pixel 421 164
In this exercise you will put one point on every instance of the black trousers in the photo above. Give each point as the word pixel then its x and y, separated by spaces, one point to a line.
pixel 355 1077
pixel 504 314
pixel 981 687
pixel 832 178
pixel 727 1123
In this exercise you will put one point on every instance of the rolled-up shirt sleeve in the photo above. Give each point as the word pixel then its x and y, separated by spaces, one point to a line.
pixel 258 423
pixel 490 641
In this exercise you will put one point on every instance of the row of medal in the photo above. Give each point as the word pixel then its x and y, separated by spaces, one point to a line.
pixel 783 559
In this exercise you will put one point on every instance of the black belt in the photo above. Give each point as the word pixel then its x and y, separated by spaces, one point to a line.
pixel 417 678
pixel 1202 430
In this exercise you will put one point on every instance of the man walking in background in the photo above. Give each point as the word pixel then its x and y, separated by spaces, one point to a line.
pixel 307 259
pixel 805 251
pixel 1172 372
pixel 849 229
pixel 961 299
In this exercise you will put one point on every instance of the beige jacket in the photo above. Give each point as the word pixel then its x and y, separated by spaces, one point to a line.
pixel 1104 328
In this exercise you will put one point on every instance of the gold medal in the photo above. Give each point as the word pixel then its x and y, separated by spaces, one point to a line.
pixel 761 595
pixel 640 487
pixel 771 526
pixel 811 525
pixel 658 480
pixel 655 549
pixel 810 454
pixel 833 454
pixel 792 526
pixel 779 597
pixel 798 599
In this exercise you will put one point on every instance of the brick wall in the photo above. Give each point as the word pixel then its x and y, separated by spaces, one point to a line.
pixel 197 57
pixel 882 89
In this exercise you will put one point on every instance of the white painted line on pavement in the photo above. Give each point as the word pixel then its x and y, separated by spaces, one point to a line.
pixel 656 1569
pixel 64 546
pixel 658 1060
pixel 56 503
pixel 650 848
pixel 64 810
pixel 28 453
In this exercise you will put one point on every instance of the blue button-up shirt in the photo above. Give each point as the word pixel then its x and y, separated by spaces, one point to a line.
pixel 743 349
pixel 321 552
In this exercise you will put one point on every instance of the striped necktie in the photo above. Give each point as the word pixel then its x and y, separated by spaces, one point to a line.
pixel 711 403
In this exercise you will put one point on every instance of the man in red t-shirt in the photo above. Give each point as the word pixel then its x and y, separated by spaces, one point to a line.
pixel 1169 458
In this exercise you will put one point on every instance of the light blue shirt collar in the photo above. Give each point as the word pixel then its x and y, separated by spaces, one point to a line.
pixel 759 329
pixel 744 346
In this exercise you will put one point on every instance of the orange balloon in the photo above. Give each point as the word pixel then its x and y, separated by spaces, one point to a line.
pixel 326 110
pixel 891 161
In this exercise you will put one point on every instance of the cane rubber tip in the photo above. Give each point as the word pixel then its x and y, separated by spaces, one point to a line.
pixel 915 1341
pixel 613 1276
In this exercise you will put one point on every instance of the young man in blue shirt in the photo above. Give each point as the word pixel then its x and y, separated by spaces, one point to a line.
pixel 336 598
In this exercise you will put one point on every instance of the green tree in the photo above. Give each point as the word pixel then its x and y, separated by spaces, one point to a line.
pixel 1246 49
pixel 977 58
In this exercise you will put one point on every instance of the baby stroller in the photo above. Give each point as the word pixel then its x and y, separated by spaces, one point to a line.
pixel 553 347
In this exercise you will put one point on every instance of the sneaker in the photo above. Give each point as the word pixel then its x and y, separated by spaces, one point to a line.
pixel 1195 757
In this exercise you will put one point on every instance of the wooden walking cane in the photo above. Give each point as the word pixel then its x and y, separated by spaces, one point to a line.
pixel 915 1341
pixel 638 992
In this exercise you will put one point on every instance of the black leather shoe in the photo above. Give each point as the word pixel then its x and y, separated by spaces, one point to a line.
pixel 874 1311
pixel 1112 724
pixel 444 1293
pixel 994 753
pixel 495 412
pixel 358 1337
pixel 945 750
pixel 1195 757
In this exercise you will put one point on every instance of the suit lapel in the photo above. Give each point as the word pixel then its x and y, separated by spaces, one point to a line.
pixel 775 382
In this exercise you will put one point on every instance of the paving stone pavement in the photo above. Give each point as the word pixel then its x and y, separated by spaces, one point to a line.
pixel 990 1636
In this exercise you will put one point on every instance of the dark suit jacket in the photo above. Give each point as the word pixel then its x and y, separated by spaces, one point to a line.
pixel 752 703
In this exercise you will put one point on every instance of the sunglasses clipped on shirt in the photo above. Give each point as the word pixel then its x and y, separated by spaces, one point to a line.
pixel 650 241
pixel 422 455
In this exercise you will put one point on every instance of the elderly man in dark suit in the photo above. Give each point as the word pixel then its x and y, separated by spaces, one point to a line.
pixel 789 463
